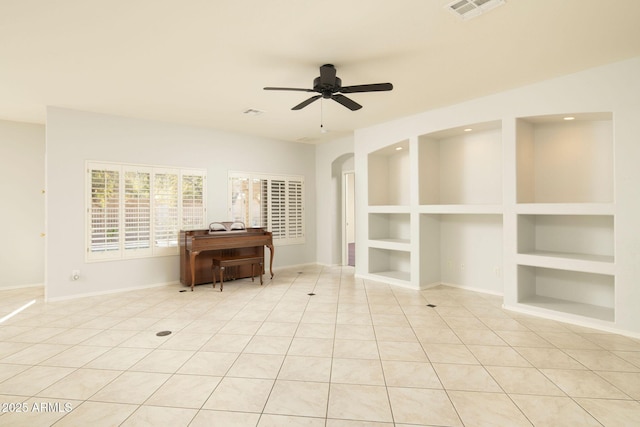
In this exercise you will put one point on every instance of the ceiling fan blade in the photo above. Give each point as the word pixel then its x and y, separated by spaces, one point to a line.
pixel 307 102
pixel 349 103
pixel 289 88
pixel 327 75
pixel 375 87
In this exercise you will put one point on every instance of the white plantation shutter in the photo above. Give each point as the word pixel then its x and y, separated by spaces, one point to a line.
pixel 270 201
pixel 193 206
pixel 136 211
pixel 295 209
pixel 104 212
pixel 277 209
pixel 165 207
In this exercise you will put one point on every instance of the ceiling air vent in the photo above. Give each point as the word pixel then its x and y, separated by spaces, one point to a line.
pixel 306 139
pixel 252 112
pixel 467 9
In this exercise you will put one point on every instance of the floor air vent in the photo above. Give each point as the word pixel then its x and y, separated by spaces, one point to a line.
pixel 467 9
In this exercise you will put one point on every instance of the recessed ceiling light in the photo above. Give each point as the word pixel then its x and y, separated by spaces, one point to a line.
pixel 468 130
pixel 569 118
pixel 398 148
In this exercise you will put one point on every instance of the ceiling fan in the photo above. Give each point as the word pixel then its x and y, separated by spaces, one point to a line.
pixel 330 87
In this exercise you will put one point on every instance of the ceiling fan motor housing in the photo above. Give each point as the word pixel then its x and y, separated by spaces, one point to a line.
pixel 326 89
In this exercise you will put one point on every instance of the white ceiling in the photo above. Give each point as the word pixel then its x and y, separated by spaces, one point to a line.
pixel 203 62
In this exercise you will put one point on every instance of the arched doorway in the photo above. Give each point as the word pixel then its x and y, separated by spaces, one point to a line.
pixel 342 174
pixel 349 219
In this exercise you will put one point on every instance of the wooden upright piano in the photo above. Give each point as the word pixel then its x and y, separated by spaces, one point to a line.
pixel 198 247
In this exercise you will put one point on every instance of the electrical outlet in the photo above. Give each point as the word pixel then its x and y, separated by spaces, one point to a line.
pixel 498 271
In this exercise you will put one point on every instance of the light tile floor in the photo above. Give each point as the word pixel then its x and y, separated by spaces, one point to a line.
pixel 357 353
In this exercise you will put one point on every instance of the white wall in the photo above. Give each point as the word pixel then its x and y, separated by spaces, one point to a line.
pixel 22 208
pixel 74 137
pixel 461 263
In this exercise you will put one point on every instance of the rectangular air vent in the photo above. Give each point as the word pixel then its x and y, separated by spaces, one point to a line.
pixel 252 112
pixel 467 9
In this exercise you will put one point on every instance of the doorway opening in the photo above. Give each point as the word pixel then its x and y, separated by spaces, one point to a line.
pixel 349 219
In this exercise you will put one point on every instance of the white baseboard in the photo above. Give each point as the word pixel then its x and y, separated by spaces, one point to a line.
pixel 157 285
pixel 430 285
pixel 296 266
pixel 110 291
pixel 32 285
pixel 572 321
pixel 472 288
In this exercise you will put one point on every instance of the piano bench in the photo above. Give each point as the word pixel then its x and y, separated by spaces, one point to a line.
pixel 219 263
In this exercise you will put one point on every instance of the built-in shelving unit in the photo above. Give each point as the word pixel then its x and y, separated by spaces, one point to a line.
pixel 460 206
pixel 389 225
pixel 430 199
pixel 439 212
pixel 565 215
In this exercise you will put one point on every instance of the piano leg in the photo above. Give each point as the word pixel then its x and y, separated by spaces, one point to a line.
pixel 271 251
pixel 192 264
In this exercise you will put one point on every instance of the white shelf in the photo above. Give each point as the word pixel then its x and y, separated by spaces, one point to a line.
pixel 567 242
pixel 567 292
pixel 390 261
pixel 391 209
pixel 565 208
pixel 599 264
pixel 461 209
pixel 390 231
pixel 572 308
pixel 392 274
pixel 391 244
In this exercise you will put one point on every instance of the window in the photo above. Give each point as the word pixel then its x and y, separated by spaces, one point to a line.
pixel 137 211
pixel 273 202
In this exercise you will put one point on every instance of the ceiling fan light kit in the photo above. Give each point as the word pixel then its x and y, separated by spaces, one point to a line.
pixel 329 86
